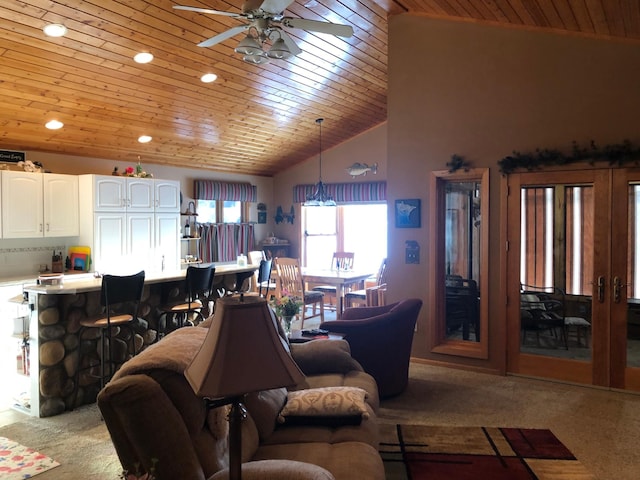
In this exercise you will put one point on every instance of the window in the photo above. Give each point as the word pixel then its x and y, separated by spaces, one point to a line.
pixel 359 228
pixel 219 211
pixel 563 260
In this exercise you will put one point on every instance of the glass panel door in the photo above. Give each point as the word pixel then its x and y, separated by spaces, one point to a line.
pixel 573 277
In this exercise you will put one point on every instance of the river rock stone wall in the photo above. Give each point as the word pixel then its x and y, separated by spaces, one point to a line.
pixel 59 344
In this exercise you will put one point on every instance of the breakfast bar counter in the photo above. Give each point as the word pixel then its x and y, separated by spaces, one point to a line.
pixel 54 345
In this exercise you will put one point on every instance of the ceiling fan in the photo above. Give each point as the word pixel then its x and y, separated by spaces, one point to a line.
pixel 265 19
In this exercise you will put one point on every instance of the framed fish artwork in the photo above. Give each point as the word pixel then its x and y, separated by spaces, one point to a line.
pixel 408 213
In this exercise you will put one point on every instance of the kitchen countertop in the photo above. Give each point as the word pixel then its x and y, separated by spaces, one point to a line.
pixel 78 283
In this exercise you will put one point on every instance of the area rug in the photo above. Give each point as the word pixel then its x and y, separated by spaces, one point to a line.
pixel 420 452
pixel 19 462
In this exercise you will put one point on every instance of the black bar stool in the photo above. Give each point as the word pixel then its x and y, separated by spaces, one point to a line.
pixel 120 298
pixel 198 287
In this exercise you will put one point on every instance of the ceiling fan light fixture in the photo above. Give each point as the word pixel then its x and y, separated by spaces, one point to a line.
pixel 249 45
pixel 279 50
pixel 256 59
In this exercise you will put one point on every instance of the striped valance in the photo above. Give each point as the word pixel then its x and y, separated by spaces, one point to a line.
pixel 345 192
pixel 217 190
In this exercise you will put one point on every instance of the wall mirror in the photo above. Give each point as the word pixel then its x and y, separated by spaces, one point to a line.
pixel 459 211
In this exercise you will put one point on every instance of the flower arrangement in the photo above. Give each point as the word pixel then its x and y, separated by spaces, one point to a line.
pixel 287 305
pixel 133 172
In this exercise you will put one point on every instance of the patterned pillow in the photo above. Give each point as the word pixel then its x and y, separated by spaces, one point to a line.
pixel 328 405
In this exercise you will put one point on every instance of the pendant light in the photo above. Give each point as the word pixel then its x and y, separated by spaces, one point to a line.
pixel 320 198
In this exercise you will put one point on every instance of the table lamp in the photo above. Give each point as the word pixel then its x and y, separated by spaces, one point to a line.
pixel 242 353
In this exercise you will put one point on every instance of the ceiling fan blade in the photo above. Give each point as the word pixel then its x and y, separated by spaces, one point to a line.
pixel 206 10
pixel 221 37
pixel 275 6
pixel 291 45
pixel 320 27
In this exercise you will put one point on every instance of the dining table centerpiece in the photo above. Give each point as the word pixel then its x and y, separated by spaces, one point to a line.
pixel 286 307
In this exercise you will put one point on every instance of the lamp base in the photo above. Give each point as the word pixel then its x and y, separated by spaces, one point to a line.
pixel 237 414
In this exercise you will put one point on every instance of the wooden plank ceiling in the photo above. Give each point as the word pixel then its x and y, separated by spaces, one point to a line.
pixel 255 119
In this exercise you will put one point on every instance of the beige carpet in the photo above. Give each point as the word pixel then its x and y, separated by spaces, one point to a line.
pixel 601 428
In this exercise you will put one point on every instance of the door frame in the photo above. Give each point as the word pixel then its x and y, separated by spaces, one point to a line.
pixel 597 371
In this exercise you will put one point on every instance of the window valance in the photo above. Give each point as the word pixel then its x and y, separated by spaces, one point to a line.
pixel 217 190
pixel 345 192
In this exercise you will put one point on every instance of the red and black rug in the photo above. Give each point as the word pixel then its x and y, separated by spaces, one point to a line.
pixel 421 452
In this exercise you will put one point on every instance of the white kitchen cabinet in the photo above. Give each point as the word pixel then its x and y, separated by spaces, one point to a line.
pixel 131 234
pixel 122 194
pixel 167 243
pixel 123 242
pixel 60 195
pixel 39 205
pixel 167 196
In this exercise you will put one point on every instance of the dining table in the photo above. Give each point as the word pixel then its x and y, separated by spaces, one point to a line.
pixel 341 279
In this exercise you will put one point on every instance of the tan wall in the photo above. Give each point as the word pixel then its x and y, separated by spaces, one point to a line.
pixel 370 147
pixel 483 92
pixel 79 165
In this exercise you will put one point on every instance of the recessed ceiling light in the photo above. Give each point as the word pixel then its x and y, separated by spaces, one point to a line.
pixel 143 57
pixel 144 138
pixel 54 30
pixel 209 77
pixel 54 124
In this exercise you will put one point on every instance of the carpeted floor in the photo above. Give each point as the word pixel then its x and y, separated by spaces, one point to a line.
pixel 422 452
pixel 601 428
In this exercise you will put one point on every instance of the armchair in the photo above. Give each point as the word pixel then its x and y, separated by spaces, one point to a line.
pixel 380 340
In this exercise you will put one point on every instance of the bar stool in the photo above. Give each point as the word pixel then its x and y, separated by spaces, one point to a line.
pixel 198 287
pixel 120 298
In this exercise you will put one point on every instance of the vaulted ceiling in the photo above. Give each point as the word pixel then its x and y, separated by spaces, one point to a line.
pixel 255 119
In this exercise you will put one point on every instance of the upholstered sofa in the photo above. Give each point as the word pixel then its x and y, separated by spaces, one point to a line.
pixel 156 421
pixel 380 339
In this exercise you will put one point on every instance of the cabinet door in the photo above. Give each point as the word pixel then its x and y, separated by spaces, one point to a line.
pixel 110 194
pixel 22 205
pixel 109 253
pixel 140 241
pixel 140 195
pixel 60 205
pixel 167 241
pixel 167 195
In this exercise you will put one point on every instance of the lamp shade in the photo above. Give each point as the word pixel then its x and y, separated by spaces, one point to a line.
pixel 243 352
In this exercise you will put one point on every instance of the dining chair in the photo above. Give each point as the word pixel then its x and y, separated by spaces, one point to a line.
pixel 119 299
pixel 372 296
pixel 339 261
pixel 290 282
pixel 198 289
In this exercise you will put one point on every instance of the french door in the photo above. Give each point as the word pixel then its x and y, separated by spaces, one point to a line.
pixel 573 276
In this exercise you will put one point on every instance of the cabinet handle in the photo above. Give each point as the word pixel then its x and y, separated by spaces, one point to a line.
pixel 40 227
pixel 47 227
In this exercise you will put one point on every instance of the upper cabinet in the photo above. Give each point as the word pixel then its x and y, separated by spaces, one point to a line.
pixel 131 194
pixel 167 196
pixel 39 205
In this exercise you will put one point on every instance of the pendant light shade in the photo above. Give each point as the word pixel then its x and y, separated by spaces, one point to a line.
pixel 320 197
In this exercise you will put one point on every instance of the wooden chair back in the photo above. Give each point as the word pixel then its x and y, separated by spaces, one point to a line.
pixel 342 261
pixel 289 276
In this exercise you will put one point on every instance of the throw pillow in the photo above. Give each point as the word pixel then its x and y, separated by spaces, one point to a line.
pixel 325 406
